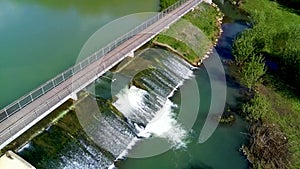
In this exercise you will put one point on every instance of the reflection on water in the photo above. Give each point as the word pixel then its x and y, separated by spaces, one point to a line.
pixel 95 7
pixel 69 149
pixel 42 38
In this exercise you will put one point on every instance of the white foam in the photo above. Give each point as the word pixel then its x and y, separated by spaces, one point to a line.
pixel 164 125
pixel 128 99
pixel 25 146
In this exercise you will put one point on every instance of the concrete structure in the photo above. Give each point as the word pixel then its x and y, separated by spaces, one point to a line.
pixel 22 114
pixel 10 160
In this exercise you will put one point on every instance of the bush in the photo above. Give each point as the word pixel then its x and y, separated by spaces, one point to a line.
pixel 252 71
pixel 256 108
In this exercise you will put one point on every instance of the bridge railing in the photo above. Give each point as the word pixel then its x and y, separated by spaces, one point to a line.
pixel 44 88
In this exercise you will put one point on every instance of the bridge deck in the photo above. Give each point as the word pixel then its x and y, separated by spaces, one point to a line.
pixel 19 122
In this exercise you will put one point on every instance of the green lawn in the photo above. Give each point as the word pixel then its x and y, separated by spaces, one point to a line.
pixel 204 29
pixel 275 35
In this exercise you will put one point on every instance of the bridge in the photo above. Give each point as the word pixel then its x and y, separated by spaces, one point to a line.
pixel 25 112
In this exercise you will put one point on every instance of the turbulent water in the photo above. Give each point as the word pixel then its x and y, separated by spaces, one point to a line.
pixel 151 106
pixel 56 148
pixel 146 111
pixel 139 104
pixel 142 92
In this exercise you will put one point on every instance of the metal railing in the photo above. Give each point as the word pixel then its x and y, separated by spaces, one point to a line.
pixel 44 88
pixel 76 83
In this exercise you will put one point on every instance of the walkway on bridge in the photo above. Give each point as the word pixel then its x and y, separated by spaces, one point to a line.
pixel 28 110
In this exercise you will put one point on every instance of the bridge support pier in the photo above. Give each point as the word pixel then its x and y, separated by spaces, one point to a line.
pixel 74 96
pixel 166 28
pixel 208 1
pixel 131 54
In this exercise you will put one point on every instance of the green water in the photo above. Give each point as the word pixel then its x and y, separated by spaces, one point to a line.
pixel 40 39
pixel 220 151
pixel 63 149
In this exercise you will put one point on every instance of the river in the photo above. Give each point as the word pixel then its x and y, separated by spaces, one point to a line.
pixel 61 146
pixel 41 39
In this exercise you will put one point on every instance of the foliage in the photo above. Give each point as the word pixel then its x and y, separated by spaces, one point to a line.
pixel 243 48
pixel 204 18
pixel 257 108
pixel 246 45
pixel 279 114
pixel 227 119
pixel 166 3
pixel 285 113
pixel 252 71
pixel 277 31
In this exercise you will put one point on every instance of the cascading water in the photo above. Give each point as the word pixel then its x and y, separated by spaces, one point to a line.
pixel 63 150
pixel 132 112
pixel 149 104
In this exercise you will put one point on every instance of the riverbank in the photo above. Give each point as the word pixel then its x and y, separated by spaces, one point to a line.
pixel 194 36
pixel 196 155
pixel 273 103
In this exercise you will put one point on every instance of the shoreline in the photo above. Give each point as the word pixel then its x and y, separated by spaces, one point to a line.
pixel 276 100
pixel 218 21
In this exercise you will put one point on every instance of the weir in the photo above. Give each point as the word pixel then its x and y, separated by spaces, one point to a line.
pixel 22 114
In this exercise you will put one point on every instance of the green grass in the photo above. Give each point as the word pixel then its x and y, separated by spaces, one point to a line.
pixel 275 34
pixel 185 50
pixel 286 113
pixel 204 19
pixel 277 30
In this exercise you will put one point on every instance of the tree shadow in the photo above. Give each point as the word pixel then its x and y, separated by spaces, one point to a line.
pixel 290 5
pixel 199 166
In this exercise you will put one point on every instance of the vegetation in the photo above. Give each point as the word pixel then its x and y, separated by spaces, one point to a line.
pixel 252 71
pixel 274 108
pixel 227 119
pixel 36 129
pixel 276 35
pixel 166 3
pixel 204 18
pixel 184 49
pixel 268 147
pixel 257 108
pixel 244 47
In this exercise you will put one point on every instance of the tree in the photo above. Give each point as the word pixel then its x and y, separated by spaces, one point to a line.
pixel 250 42
pixel 243 48
pixel 252 71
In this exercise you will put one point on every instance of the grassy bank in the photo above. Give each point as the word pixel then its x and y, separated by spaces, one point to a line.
pixel 203 27
pixel 166 3
pixel 274 103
